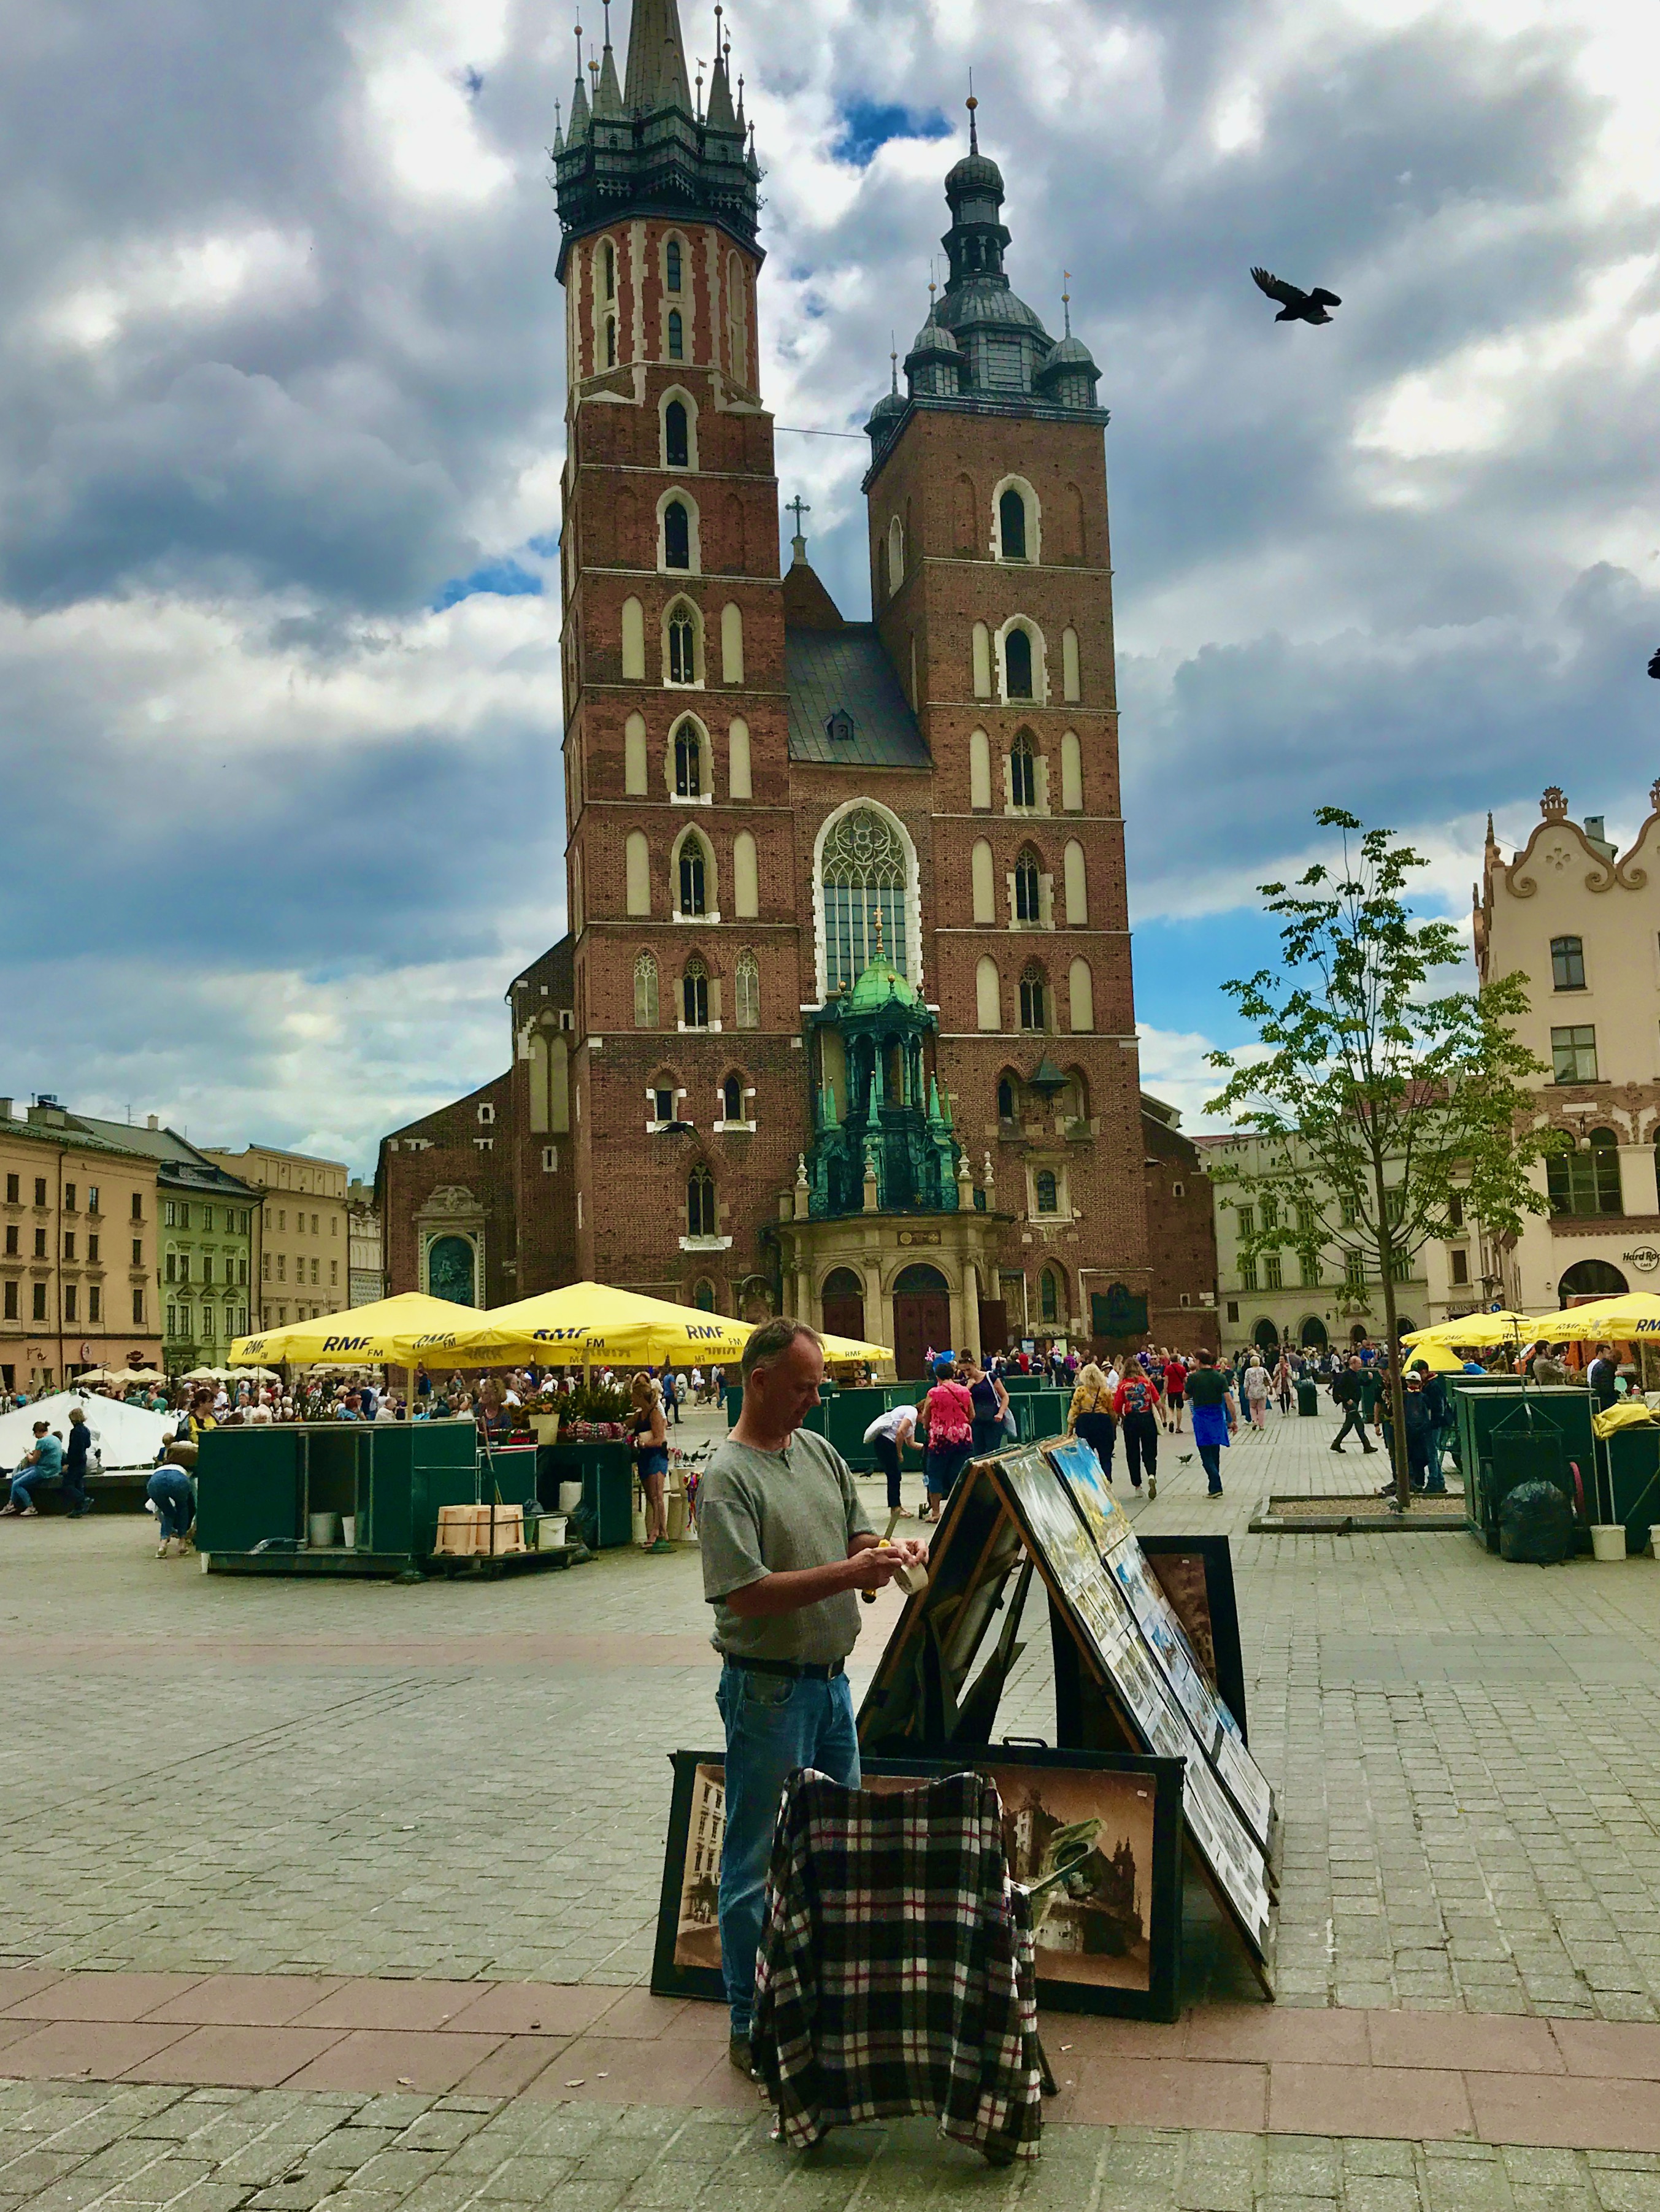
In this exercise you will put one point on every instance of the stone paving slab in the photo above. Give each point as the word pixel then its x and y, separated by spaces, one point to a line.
pixel 214 1776
pixel 74 2147
pixel 1237 2069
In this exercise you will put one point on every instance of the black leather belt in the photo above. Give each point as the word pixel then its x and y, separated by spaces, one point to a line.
pixel 796 1670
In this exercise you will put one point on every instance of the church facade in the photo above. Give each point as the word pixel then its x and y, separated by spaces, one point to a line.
pixel 843 1023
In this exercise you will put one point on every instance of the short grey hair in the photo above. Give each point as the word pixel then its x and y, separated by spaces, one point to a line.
pixel 771 1342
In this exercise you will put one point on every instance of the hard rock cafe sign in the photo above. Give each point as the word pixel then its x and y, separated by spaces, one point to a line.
pixel 1645 1259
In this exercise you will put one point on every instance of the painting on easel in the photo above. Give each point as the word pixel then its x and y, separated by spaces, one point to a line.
pixel 1127 1673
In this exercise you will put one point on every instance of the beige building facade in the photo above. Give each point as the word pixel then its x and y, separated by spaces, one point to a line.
pixel 78 1218
pixel 1323 1296
pixel 302 1243
pixel 1582 921
pixel 366 1256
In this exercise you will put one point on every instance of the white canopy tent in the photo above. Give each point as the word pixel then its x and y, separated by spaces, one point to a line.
pixel 126 1436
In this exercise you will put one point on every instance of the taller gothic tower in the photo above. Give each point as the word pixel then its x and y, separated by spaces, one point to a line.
pixel 680 869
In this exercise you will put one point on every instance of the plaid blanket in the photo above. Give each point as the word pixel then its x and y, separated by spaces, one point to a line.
pixel 895 1972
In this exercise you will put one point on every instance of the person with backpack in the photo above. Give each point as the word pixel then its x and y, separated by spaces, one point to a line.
pixel 946 1416
pixel 1137 1407
pixel 1093 1415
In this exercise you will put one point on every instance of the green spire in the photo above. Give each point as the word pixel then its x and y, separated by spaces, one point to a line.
pixel 657 59
pixel 608 102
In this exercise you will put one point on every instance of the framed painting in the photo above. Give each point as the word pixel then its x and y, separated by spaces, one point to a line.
pixel 1108 1938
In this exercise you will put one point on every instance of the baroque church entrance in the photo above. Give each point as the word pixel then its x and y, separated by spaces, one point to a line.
pixel 921 1321
pixel 843 1304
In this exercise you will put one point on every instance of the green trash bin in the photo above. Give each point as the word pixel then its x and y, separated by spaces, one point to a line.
pixel 1307 1398
pixel 1631 1459
pixel 606 1472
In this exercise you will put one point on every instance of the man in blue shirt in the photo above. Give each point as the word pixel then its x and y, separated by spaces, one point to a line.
pixel 40 1470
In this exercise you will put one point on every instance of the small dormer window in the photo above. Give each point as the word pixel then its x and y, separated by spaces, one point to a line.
pixel 486 1115
pixel 841 727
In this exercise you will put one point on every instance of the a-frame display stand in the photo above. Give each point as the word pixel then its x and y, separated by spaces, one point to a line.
pixel 1127 1676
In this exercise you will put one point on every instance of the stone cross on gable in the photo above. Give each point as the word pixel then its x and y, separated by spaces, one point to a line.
pixel 797 507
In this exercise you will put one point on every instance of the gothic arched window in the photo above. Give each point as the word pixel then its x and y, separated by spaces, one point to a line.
pixel 694 994
pixel 1023 769
pixel 863 880
pixel 677 336
pixel 688 762
pixel 645 991
pixel 1006 1100
pixel 731 1100
pixel 676 435
pixel 1017 656
pixel 1048 1293
pixel 1033 1006
pixel 673 262
pixel 1012 515
pixel 747 991
pixel 1028 902
pixel 683 647
pixel 694 878
pixel 700 1203
pixel 677 554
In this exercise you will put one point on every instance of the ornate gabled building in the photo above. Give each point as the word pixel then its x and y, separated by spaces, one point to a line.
pixel 843 1023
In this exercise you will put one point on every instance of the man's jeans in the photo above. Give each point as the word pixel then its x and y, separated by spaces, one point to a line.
pixel 1210 1458
pixel 774 1724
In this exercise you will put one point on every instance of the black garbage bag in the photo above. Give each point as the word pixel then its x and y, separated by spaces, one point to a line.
pixel 1536 1525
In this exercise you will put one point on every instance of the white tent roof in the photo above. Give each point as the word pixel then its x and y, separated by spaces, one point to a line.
pixel 126 1436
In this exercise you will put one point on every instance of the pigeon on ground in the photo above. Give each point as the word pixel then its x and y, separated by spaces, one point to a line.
pixel 1654 665
pixel 1296 306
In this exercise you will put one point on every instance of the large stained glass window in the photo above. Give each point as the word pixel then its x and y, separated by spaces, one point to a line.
pixel 863 884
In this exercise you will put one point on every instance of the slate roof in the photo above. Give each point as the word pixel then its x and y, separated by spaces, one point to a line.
pixel 828 670
pixel 179 1164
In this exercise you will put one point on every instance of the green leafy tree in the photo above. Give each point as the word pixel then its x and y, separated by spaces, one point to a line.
pixel 1385 1113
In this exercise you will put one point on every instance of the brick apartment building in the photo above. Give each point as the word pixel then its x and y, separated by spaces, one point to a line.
pixel 844 1024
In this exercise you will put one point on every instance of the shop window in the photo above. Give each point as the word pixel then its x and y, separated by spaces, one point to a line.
pixel 1586 1183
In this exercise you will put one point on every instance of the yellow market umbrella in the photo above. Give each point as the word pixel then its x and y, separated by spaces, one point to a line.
pixel 393 1331
pixel 1633 1317
pixel 1439 1358
pixel 585 1323
pixel 840 1350
pixel 1481 1328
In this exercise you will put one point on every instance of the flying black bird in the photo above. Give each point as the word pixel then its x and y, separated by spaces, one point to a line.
pixel 1296 306
pixel 1654 665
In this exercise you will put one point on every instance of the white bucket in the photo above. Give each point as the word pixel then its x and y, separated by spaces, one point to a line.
pixel 1654 1539
pixel 1607 1540
pixel 324 1531
pixel 348 1531
pixel 551 1532
pixel 570 1497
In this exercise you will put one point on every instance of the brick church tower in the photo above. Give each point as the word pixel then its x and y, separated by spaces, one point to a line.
pixel 844 1024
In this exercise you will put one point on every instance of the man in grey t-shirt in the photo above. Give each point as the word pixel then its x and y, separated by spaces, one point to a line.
pixel 786 1550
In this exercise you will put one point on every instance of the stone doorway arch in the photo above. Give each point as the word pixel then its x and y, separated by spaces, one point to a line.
pixel 921 1318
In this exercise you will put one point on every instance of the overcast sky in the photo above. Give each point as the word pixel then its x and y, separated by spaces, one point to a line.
pixel 281 430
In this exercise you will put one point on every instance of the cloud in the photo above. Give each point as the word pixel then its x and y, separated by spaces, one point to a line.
pixel 282 436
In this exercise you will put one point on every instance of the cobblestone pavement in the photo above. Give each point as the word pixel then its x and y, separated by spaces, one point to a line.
pixel 69 2148
pixel 207 1774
